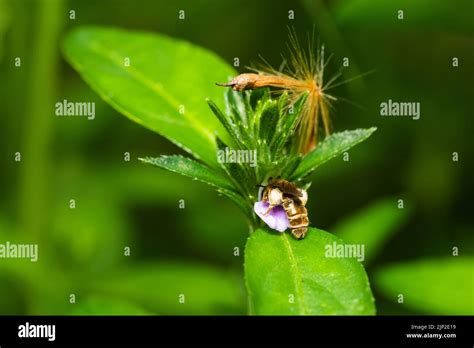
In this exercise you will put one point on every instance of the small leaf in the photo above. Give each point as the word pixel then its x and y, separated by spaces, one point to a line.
pixel 441 286
pixel 283 102
pixel 289 117
pixel 188 167
pixel 236 107
pixel 291 165
pixel 227 122
pixel 197 171
pixel 237 112
pixel 372 226
pixel 256 95
pixel 286 277
pixel 331 147
pixel 268 121
pixel 236 171
pixel 157 81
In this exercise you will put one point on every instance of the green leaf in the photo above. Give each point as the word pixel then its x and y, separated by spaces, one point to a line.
pixel 268 121
pixel 237 112
pixel 442 286
pixel 329 148
pixel 157 287
pixel 287 123
pixel 197 171
pixel 236 107
pixel 164 75
pixel 372 226
pixel 292 163
pixel 227 122
pixel 279 269
pixel 240 175
pixel 188 167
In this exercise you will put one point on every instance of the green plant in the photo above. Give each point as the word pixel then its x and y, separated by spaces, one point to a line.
pixel 164 84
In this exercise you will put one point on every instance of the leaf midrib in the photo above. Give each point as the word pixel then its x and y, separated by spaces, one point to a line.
pixel 298 279
pixel 306 166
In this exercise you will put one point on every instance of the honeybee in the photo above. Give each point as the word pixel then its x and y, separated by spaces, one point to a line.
pixel 293 199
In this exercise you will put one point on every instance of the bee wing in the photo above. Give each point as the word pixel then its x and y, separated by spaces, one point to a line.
pixel 293 192
pixel 289 189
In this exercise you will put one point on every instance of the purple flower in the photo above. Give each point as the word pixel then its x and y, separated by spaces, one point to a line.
pixel 276 219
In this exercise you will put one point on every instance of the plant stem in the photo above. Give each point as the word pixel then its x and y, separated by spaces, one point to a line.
pixel 34 173
pixel 41 93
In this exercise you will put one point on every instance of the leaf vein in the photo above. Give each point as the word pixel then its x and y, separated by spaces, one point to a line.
pixel 298 279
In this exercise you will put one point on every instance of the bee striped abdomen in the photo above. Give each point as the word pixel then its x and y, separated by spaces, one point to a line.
pixel 297 217
pixel 298 220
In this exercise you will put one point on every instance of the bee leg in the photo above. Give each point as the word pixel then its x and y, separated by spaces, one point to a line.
pixel 270 207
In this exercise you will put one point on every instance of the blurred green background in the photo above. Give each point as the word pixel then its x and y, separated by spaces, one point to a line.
pixel 192 251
